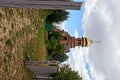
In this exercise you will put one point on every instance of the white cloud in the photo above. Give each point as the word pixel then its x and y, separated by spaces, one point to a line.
pixel 102 23
pixel 77 63
pixel 60 25
pixel 76 34
pixel 78 60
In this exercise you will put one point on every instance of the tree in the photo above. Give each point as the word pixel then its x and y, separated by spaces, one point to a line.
pixel 60 57
pixel 66 73
pixel 53 44
pixel 57 16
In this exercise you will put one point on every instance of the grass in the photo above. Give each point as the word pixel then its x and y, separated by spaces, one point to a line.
pixel 41 44
pixel 9 43
pixel 22 38
pixel 36 47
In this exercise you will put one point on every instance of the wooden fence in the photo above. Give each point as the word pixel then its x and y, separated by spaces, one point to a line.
pixel 42 72
pixel 41 4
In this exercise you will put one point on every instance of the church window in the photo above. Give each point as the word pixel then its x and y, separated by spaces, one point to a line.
pixel 79 42
pixel 64 38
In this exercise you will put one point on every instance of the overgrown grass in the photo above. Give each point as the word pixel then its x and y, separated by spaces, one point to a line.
pixel 9 43
pixel 42 53
pixel 29 74
pixel 24 40
pixel 36 48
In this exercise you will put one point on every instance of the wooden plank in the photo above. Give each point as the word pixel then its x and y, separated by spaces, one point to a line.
pixel 40 2
pixel 39 6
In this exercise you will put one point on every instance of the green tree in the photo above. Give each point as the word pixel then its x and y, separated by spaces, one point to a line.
pixel 58 16
pixel 60 57
pixel 66 73
pixel 53 45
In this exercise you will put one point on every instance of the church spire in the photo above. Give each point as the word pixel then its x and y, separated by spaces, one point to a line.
pixel 97 41
pixel 87 42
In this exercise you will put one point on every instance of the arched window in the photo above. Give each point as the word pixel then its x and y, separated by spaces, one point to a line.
pixel 64 38
pixel 79 42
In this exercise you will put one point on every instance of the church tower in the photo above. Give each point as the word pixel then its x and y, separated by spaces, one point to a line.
pixel 71 42
pixel 84 42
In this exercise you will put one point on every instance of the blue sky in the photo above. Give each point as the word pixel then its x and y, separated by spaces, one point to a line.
pixel 101 20
pixel 75 21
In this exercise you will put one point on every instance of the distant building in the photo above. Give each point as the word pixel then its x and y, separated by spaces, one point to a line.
pixel 70 42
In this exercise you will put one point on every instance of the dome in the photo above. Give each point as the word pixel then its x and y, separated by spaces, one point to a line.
pixel 87 42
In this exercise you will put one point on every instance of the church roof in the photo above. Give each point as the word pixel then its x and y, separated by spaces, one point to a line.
pixel 87 42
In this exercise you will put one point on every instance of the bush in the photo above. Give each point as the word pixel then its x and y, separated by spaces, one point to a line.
pixel 53 44
pixel 66 73
pixel 60 57
pixel 57 16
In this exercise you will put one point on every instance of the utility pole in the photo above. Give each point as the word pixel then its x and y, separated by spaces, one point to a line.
pixel 41 4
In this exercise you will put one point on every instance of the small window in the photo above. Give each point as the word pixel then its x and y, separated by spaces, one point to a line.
pixel 64 38
pixel 79 42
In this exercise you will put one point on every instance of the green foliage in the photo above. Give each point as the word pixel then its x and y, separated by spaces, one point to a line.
pixel 56 35
pixel 53 45
pixel 29 51
pixel 58 16
pixel 60 57
pixel 66 73
pixel 55 48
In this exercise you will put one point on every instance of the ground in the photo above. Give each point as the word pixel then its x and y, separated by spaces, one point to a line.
pixel 22 37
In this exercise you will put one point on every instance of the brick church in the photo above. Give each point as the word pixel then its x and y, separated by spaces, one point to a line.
pixel 70 42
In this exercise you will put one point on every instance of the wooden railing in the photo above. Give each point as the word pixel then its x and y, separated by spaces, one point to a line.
pixel 41 4
pixel 42 72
